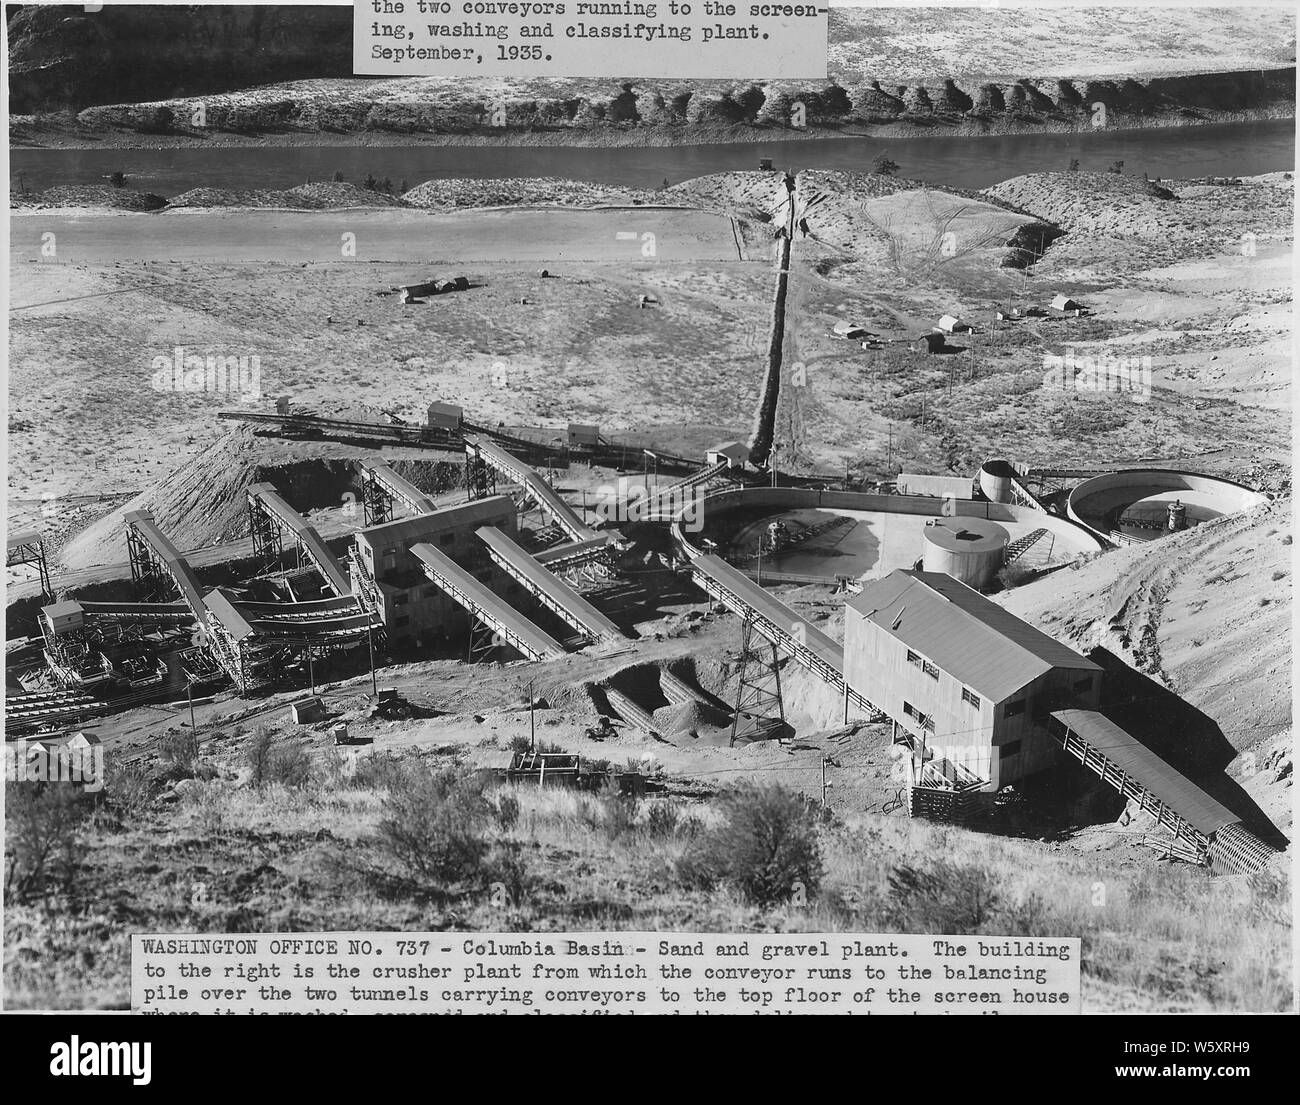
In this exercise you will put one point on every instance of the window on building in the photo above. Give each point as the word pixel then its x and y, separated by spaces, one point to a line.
pixel 431 591
pixel 390 551
pixel 446 539
pixel 970 697
pixel 925 721
pixel 1014 709
pixel 913 658
pixel 930 669
pixel 1010 749
pixel 1083 686
pixel 401 600
pixel 401 620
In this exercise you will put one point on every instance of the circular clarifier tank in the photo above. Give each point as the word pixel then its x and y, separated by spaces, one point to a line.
pixel 968 549
pixel 1143 504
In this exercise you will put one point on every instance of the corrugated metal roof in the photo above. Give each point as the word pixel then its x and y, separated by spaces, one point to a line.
pixel 1135 759
pixel 971 638
pixel 229 615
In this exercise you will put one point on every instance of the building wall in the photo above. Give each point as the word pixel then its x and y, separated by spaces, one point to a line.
pixel 414 609
pixel 999 744
pixel 1020 724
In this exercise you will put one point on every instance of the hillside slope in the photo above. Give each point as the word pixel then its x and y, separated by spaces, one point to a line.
pixel 1207 614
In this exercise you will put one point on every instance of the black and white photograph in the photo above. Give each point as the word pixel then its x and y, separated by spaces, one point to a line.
pixel 655 541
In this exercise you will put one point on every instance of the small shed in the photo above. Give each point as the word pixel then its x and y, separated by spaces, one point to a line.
pixel 951 324
pixel 282 404
pixel 306 710
pixel 933 342
pixel 62 617
pixel 1065 303
pixel 448 416
pixel 734 453
pixel 580 433
pixel 849 330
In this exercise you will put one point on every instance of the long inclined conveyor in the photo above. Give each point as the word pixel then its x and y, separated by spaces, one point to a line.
pixel 400 488
pixel 781 625
pixel 273 505
pixel 542 492
pixel 489 608
pixel 552 592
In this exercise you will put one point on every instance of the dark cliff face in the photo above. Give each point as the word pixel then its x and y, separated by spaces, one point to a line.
pixel 62 56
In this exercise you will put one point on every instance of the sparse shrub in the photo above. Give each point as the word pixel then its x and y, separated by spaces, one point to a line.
pixel 117 180
pixel 180 751
pixel 128 788
pixel 506 809
pixel 663 820
pixel 885 166
pixel 1278 575
pixel 289 765
pixel 380 772
pixel 618 814
pixel 338 176
pixel 270 761
pixel 42 836
pixel 508 868
pixel 766 844
pixel 256 754
pixel 433 824
pixel 943 898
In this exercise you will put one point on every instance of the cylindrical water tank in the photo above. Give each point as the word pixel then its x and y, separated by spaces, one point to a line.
pixel 968 549
pixel 995 480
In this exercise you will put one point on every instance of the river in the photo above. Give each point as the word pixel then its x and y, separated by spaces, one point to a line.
pixel 1229 149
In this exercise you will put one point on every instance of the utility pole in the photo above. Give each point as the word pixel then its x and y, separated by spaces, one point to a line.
pixel 189 694
pixel 889 460
pixel 370 644
pixel 311 670
pixel 532 720
pixel 825 784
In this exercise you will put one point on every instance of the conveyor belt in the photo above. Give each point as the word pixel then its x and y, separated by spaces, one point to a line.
pixel 553 593
pixel 270 500
pixel 573 554
pixel 399 488
pixel 289 621
pixel 704 475
pixel 516 630
pixel 187 583
pixel 781 625
pixel 516 470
